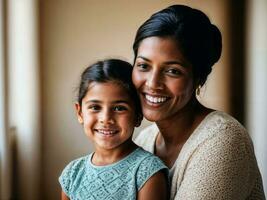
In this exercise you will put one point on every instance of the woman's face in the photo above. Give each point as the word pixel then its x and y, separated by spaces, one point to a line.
pixel 163 78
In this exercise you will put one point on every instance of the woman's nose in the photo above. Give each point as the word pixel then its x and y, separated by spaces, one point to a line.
pixel 154 80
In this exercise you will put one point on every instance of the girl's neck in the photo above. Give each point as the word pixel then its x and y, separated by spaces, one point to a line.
pixel 103 157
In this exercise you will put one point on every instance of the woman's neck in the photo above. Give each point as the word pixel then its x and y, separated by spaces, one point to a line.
pixel 177 129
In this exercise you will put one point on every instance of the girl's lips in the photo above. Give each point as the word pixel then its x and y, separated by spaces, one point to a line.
pixel 106 132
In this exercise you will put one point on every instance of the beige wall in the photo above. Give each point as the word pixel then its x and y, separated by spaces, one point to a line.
pixel 75 33
pixel 257 82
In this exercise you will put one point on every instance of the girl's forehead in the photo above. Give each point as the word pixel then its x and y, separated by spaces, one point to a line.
pixel 108 84
pixel 108 90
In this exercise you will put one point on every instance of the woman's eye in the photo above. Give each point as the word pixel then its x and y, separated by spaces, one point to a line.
pixel 174 72
pixel 142 66
pixel 119 108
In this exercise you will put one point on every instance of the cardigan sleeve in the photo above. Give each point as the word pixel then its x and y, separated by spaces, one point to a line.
pixel 222 167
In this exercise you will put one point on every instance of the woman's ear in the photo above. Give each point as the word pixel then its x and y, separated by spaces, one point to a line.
pixel 197 87
pixel 79 112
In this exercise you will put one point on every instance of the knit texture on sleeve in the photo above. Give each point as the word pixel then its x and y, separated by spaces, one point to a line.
pixel 216 162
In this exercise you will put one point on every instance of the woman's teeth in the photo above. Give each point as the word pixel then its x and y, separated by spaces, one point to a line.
pixel 155 99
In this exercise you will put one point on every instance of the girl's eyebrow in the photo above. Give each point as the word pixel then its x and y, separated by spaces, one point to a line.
pixel 92 101
pixel 121 101
pixel 98 101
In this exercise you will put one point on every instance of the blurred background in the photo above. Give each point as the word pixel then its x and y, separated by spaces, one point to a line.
pixel 45 45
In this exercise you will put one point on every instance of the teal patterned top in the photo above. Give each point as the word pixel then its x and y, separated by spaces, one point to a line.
pixel 82 180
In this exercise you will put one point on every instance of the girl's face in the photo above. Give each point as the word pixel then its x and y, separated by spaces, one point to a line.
pixel 163 78
pixel 107 114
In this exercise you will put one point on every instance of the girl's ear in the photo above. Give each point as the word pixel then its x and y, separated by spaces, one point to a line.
pixel 79 112
pixel 139 119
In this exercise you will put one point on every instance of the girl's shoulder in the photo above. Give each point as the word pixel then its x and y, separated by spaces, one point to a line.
pixel 139 156
pixel 71 171
pixel 147 165
pixel 77 164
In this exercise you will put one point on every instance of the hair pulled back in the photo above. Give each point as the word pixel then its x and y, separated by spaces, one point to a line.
pixel 110 70
pixel 198 39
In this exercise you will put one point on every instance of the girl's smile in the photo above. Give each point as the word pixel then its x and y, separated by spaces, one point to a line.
pixel 108 115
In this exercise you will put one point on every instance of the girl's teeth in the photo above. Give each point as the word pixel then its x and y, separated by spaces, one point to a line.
pixel 155 99
pixel 106 132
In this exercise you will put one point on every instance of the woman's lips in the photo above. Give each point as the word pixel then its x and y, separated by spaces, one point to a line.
pixel 155 100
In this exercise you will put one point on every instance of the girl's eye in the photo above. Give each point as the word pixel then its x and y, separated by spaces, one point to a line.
pixel 119 108
pixel 142 66
pixel 174 72
pixel 94 107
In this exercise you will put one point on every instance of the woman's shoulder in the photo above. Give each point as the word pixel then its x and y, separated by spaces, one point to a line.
pixel 219 122
pixel 221 149
pixel 218 129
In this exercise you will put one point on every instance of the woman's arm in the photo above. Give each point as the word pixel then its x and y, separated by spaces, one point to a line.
pixel 155 188
pixel 220 168
pixel 64 196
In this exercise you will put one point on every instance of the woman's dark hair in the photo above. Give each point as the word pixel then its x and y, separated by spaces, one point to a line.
pixel 198 39
pixel 114 70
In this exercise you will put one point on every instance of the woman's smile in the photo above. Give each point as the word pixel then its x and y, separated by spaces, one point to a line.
pixel 154 100
pixel 162 77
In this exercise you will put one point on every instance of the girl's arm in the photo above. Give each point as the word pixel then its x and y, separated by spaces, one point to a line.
pixel 155 188
pixel 64 196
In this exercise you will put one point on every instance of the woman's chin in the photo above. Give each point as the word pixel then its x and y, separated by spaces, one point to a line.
pixel 152 116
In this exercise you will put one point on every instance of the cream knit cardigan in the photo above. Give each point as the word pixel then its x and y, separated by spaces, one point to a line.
pixel 216 163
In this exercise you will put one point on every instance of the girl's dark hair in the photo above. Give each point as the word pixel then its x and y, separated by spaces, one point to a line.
pixel 104 71
pixel 198 39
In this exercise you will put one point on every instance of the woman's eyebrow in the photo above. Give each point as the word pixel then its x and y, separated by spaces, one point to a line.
pixel 172 62
pixel 144 58
pixel 176 62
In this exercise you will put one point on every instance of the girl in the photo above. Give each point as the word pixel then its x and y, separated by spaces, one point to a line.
pixel 108 107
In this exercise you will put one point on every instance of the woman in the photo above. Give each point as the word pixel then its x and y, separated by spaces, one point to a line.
pixel 209 153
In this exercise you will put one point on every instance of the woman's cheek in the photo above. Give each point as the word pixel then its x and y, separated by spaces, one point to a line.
pixel 137 78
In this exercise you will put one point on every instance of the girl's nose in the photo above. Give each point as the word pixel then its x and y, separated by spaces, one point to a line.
pixel 154 80
pixel 106 118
